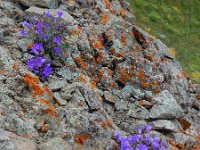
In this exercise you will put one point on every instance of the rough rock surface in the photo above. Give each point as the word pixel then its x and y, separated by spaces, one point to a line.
pixel 115 77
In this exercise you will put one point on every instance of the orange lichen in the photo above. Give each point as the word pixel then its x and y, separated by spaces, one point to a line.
pixel 198 96
pixel 97 43
pixel 122 79
pixel 28 77
pixel 92 85
pixel 179 131
pixel 30 45
pixel 171 142
pixel 178 77
pixel 180 145
pixel 103 112
pixel 112 51
pixel 80 62
pixel 157 91
pixel 65 136
pixel 43 101
pixel 104 19
pixel 51 111
pixel 149 55
pixel 141 75
pixel 80 103
pixel 83 79
pixel 107 123
pixel 121 54
pixel 198 138
pixel 185 75
pixel 123 40
pixel 15 67
pixel 196 147
pixel 122 12
pixel 112 85
pixel 144 85
pixel 44 128
pixel 20 115
pixel 47 90
pixel 32 83
pixel 184 123
pixel 146 105
pixel 108 4
pixel 138 36
pixel 80 139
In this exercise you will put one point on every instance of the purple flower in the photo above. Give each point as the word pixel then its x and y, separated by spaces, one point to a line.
pixel 48 14
pixel 46 38
pixel 23 33
pixel 56 50
pixel 39 61
pixel 60 13
pixel 118 137
pixel 133 139
pixel 39 32
pixel 124 143
pixel 37 48
pixel 39 25
pixel 141 141
pixel 46 71
pixel 31 64
pixel 148 139
pixel 35 19
pixel 142 147
pixel 148 128
pixel 155 144
pixel 139 130
pixel 39 65
pixel 57 40
pixel 26 24
pixel 46 26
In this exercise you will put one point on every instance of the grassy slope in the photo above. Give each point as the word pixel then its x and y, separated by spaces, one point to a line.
pixel 177 23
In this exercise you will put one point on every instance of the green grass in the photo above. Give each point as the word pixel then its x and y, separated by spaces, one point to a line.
pixel 179 22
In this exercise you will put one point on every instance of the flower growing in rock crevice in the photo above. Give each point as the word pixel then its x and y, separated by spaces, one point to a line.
pixel 141 141
pixel 46 32
pixel 40 66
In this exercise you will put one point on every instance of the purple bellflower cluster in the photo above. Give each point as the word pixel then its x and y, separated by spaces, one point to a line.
pixel 141 141
pixel 46 32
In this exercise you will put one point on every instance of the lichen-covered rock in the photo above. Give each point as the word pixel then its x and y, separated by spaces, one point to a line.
pixel 10 141
pixel 138 112
pixel 110 97
pixel 40 3
pixel 114 77
pixel 6 62
pixel 55 144
pixel 164 125
pixel 59 99
pixel 165 107
pixel 33 11
pixel 23 44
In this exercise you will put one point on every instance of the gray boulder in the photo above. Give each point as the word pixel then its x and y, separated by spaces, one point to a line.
pixel 41 3
pixel 164 125
pixel 55 144
pixel 10 141
pixel 35 11
pixel 165 107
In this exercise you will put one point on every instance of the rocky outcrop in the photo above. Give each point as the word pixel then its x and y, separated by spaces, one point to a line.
pixel 115 77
